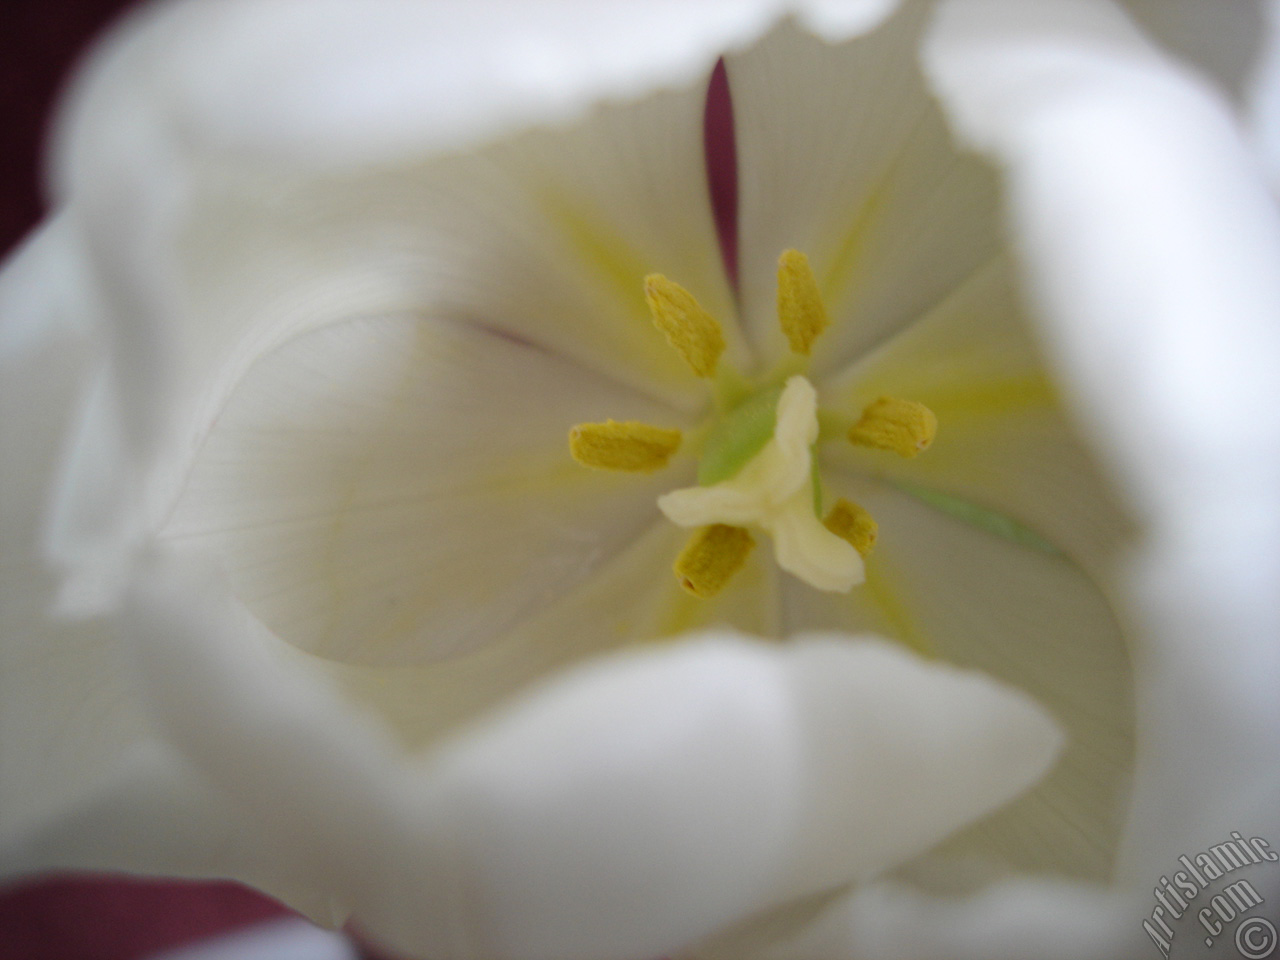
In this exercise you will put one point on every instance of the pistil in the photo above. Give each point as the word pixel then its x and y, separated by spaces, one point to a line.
pixel 774 491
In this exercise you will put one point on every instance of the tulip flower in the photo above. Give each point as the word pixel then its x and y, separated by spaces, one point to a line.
pixel 409 513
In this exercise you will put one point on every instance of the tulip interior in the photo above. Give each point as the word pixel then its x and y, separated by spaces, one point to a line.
pixel 387 487
pixel 756 456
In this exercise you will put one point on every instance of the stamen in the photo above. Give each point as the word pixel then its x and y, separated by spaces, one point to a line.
pixel 711 558
pixel 693 332
pixel 853 524
pixel 903 426
pixel 800 309
pixel 629 445
pixel 757 460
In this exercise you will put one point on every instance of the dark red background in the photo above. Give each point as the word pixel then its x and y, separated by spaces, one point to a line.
pixel 39 42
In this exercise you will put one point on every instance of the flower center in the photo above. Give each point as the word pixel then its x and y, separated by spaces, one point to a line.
pixel 756 459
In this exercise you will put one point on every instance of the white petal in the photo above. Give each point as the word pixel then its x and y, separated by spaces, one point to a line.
pixel 283 939
pixel 843 154
pixel 1004 439
pixel 67 718
pixel 53 363
pixel 261 721
pixel 399 490
pixel 46 354
pixel 888 921
pixel 1226 40
pixel 366 81
pixel 1264 98
pixel 389 834
pixel 900 753
pixel 1153 250
pixel 1143 221
pixel 626 809
pixel 631 599
pixel 622 810
pixel 158 816
pixel 85 780
pixel 966 596
pixel 583 814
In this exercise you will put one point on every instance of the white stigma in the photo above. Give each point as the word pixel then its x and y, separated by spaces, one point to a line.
pixel 773 491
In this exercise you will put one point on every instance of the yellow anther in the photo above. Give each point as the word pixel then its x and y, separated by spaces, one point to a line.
pixel 800 310
pixel 852 523
pixel 711 558
pixel 629 445
pixel 692 331
pixel 903 426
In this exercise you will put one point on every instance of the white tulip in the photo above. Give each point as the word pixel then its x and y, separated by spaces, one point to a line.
pixel 302 587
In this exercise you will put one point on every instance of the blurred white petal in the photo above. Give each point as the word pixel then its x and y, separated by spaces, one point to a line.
pixel 1224 39
pixel 1150 239
pixel 291 184
pixel 57 678
pixel 86 782
pixel 658 794
pixel 289 939
pixel 887 921
pixel 582 821
pixel 346 82
pixel 1264 100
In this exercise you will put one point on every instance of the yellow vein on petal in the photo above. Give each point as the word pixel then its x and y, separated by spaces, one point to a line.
pixel 616 262
pixel 838 277
pixel 610 255
pixel 624 268
pixel 866 356
pixel 994 397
